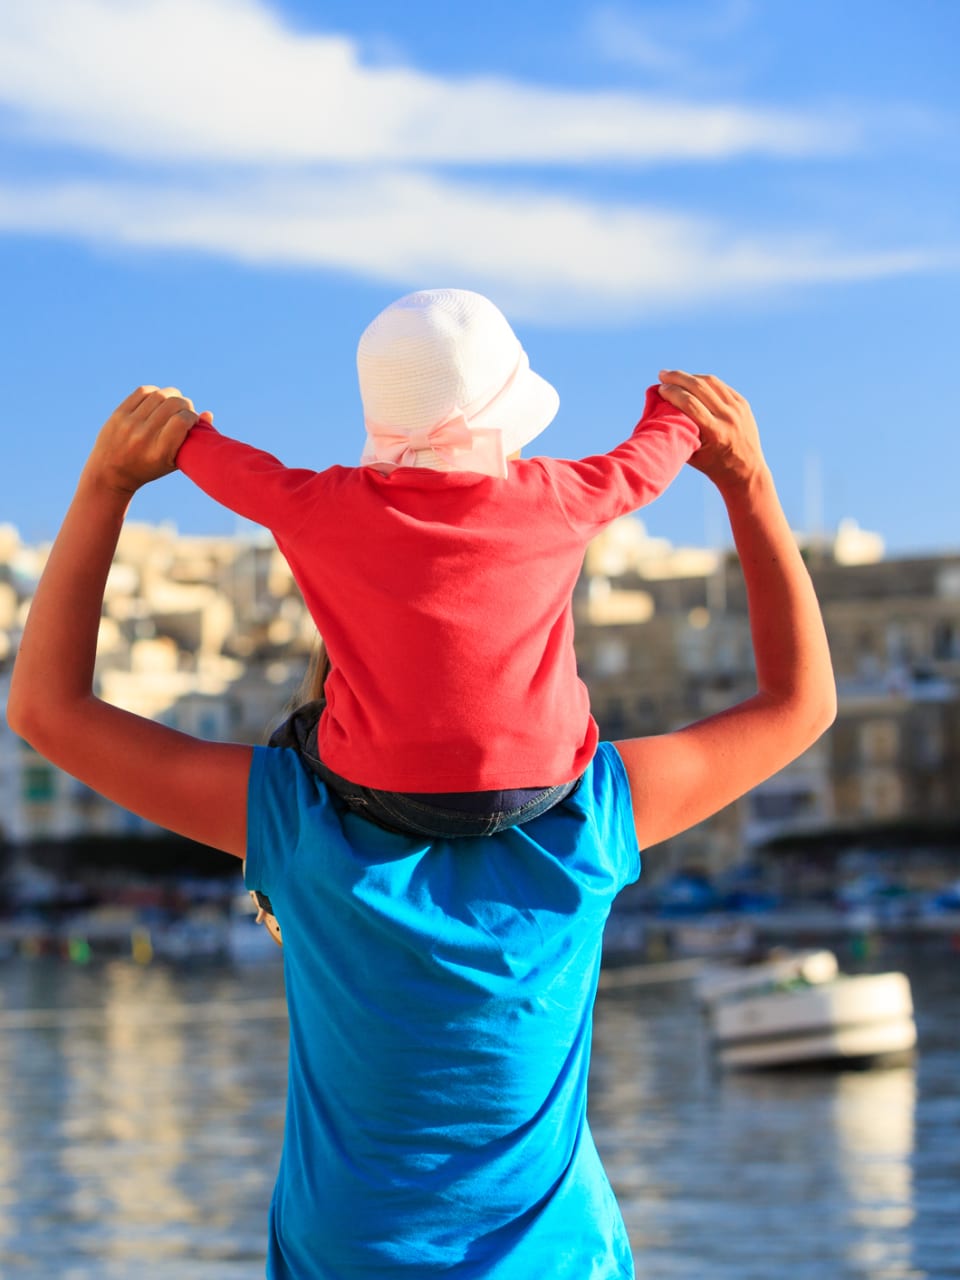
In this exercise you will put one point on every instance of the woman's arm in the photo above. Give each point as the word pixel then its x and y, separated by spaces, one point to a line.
pixel 680 778
pixel 195 788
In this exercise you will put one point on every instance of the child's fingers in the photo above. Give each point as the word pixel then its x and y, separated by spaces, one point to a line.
pixel 707 388
pixel 162 430
pixel 171 420
pixel 174 431
pixel 687 402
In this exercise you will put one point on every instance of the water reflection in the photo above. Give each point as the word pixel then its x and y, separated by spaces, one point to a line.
pixel 124 1122
pixel 141 1114
pixel 139 1127
pixel 749 1176
pixel 843 1145
pixel 874 1119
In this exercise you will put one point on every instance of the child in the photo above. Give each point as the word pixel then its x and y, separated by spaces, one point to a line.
pixel 440 571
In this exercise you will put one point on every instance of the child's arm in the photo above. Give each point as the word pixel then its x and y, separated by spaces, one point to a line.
pixel 595 490
pixel 680 778
pixel 246 480
pixel 190 786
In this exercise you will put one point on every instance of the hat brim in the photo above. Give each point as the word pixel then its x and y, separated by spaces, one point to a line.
pixel 525 409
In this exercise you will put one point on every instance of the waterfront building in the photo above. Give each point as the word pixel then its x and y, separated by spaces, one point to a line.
pixel 210 635
pixel 207 635
pixel 663 639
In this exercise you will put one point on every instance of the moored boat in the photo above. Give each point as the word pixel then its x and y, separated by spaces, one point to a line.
pixel 801 1011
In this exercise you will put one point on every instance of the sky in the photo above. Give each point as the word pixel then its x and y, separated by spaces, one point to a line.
pixel 220 195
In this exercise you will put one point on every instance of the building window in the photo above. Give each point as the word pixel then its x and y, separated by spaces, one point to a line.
pixel 613 719
pixel 39 783
pixel 946 641
pixel 899 649
pixel 928 746
pixel 879 741
pixel 881 794
pixel 610 657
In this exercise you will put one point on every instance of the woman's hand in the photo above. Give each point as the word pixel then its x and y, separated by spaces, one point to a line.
pixel 192 787
pixel 679 778
pixel 730 451
pixel 140 439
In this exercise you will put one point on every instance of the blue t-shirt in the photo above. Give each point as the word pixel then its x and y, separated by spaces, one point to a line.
pixel 440 995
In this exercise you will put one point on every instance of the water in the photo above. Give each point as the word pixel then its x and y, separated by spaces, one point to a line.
pixel 747 1177
pixel 141 1116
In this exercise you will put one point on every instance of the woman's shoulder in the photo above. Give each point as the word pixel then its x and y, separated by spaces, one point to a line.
pixel 592 830
pixel 609 776
pixel 281 790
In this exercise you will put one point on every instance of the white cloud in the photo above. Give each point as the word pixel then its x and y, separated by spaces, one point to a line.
pixel 227 81
pixel 336 155
pixel 546 257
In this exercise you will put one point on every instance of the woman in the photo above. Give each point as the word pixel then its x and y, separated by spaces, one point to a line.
pixel 439 992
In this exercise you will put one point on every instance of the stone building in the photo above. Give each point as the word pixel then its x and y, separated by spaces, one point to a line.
pixel 663 639
pixel 210 636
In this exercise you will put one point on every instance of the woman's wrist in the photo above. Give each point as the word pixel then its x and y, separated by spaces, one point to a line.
pixel 740 484
pixel 99 484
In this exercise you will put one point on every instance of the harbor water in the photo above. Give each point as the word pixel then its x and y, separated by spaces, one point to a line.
pixel 141 1114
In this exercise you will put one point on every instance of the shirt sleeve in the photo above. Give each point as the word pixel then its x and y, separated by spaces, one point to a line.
pixel 621 832
pixel 270 825
pixel 246 480
pixel 598 489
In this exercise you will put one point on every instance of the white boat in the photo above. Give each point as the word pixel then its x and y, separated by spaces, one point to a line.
pixel 800 1011
pixel 780 966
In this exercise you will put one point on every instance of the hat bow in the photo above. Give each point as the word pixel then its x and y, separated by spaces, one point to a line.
pixel 401 447
pixel 460 445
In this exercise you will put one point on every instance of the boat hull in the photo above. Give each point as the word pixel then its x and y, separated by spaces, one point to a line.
pixel 862 1020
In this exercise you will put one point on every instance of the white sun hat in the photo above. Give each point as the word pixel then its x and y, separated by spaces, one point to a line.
pixel 446 384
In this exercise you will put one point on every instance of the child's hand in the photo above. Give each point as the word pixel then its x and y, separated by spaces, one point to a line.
pixel 140 439
pixel 730 442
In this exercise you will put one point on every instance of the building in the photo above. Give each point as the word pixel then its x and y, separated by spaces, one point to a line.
pixel 210 636
pixel 663 639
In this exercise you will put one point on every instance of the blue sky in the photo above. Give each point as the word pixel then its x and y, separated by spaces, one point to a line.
pixel 220 194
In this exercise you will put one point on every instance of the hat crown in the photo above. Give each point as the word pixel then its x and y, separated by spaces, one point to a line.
pixel 432 353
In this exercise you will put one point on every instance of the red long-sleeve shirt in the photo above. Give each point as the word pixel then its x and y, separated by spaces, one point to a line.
pixel 444 599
